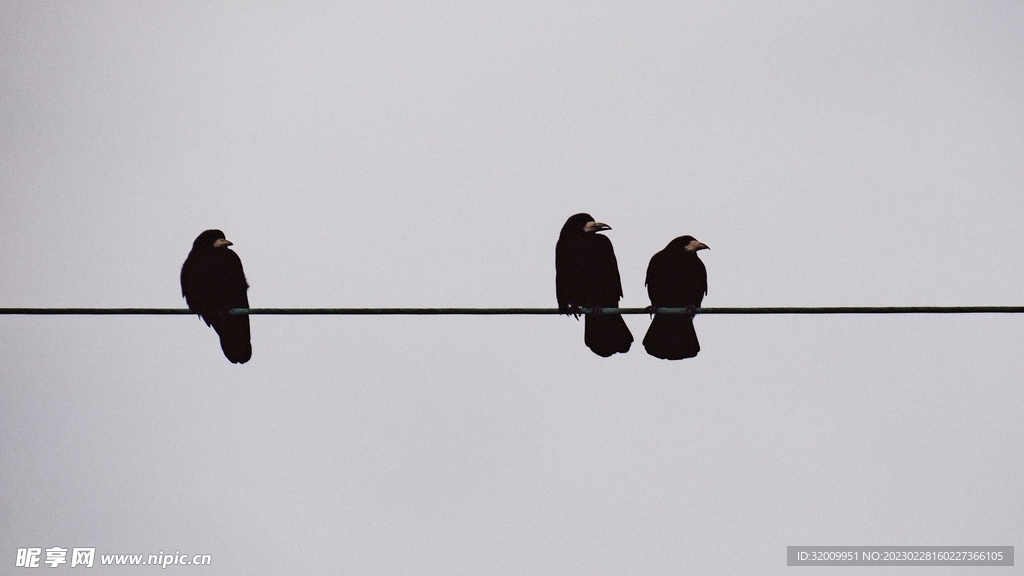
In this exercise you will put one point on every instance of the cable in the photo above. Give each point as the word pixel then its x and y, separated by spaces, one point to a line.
pixel 521 311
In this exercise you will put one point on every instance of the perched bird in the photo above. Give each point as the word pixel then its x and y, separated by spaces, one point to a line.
pixel 587 276
pixel 676 278
pixel 212 282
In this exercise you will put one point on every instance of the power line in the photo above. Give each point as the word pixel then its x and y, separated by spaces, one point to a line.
pixel 520 311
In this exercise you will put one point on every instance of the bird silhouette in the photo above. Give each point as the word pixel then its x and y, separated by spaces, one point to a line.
pixel 212 282
pixel 587 276
pixel 676 278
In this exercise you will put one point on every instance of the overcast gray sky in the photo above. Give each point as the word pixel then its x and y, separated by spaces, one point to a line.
pixel 427 154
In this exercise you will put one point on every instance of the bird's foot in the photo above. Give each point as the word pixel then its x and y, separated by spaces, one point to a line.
pixel 650 310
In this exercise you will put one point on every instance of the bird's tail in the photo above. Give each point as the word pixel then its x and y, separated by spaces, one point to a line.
pixel 606 334
pixel 234 338
pixel 671 337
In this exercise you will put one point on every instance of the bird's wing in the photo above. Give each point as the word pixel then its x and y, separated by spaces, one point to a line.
pixel 606 271
pixel 233 282
pixel 191 287
pixel 563 265
pixel 658 285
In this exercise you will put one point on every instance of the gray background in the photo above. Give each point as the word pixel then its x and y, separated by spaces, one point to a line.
pixel 427 154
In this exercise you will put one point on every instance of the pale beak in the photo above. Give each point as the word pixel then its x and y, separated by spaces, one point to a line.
pixel 695 245
pixel 596 227
pixel 221 242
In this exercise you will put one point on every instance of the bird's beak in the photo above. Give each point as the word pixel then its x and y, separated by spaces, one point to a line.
pixel 221 242
pixel 703 246
pixel 695 245
pixel 596 227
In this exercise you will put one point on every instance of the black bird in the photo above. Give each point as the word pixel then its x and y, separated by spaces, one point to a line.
pixel 212 282
pixel 676 278
pixel 587 276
